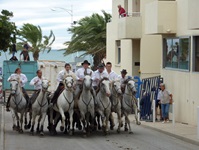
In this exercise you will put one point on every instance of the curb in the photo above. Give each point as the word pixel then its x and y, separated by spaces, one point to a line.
pixel 173 135
pixel 2 127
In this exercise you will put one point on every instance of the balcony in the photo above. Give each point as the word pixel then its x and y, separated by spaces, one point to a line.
pixel 130 27
pixel 161 17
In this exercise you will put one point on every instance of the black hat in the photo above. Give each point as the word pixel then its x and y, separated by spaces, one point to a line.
pixel 124 71
pixel 86 62
pixel 100 65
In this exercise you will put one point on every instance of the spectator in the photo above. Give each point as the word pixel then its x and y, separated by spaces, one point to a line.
pixel 158 104
pixel 26 46
pixel 25 55
pixel 121 10
pixel 14 50
pixel 165 98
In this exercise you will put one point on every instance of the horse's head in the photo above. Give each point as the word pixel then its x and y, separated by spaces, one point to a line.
pixel 105 86
pixel 68 81
pixel 14 86
pixel 116 85
pixel 131 86
pixel 45 84
pixel 87 82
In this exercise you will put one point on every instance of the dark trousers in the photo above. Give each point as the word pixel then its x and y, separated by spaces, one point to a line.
pixel 57 92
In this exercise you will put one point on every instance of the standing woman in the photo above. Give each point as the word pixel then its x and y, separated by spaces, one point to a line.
pixel 165 98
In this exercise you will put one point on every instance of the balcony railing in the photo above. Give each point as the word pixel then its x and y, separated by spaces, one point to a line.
pixel 131 14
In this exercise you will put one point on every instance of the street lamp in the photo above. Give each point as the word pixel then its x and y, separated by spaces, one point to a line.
pixel 69 11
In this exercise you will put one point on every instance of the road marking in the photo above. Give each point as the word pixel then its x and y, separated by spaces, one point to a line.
pixel 2 129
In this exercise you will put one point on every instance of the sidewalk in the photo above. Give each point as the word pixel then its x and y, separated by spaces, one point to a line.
pixel 181 131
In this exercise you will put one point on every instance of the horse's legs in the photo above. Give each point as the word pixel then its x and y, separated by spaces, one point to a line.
pixel 38 123
pixel 108 112
pixel 14 127
pixel 63 119
pixel 128 122
pixel 83 120
pixel 119 120
pixel 136 113
pixel 21 121
pixel 33 122
pixel 102 118
pixel 42 124
pixel 111 119
pixel 17 118
pixel 71 121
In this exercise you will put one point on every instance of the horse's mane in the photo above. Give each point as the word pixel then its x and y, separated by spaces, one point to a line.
pixel 127 80
pixel 105 78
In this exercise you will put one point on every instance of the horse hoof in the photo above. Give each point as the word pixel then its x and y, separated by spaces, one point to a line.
pixel 41 134
pixel 37 131
pixel 130 132
pixel 118 130
pixel 126 129
pixel 61 128
pixel 111 127
pixel 14 127
pixel 20 131
pixel 138 123
pixel 26 127
pixel 31 132
pixel 80 127
pixel 70 132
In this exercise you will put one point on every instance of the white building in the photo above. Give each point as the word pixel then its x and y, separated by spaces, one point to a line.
pixel 159 37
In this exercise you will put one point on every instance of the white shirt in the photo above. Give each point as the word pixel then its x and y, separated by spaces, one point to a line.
pixel 98 76
pixel 37 85
pixel 122 79
pixel 22 77
pixel 164 97
pixel 80 73
pixel 112 76
pixel 62 74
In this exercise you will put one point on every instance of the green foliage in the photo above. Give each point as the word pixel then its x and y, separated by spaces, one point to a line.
pixel 89 35
pixel 8 30
pixel 33 35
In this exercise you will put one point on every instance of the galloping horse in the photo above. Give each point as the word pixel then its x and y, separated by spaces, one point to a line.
pixel 129 103
pixel 65 103
pixel 103 101
pixel 86 103
pixel 18 104
pixel 39 107
pixel 116 93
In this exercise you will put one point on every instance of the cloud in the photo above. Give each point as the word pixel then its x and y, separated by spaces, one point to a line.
pixel 38 12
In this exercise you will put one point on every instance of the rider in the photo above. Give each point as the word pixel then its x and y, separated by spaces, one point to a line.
pixel 80 74
pixel 99 74
pixel 123 77
pixel 61 76
pixel 111 74
pixel 17 75
pixel 37 83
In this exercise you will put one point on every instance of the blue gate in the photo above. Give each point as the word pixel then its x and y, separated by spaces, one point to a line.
pixel 148 93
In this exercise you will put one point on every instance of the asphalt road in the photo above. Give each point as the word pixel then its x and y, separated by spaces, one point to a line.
pixel 142 139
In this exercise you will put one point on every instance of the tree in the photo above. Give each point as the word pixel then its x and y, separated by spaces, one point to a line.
pixel 33 35
pixel 8 30
pixel 89 35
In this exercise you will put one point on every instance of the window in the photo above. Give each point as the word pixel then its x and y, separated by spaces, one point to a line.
pixel 118 52
pixel 196 53
pixel 176 53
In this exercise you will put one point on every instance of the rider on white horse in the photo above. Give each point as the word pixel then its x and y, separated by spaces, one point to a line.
pixel 17 75
pixel 123 77
pixel 37 83
pixel 99 74
pixel 111 74
pixel 80 74
pixel 61 76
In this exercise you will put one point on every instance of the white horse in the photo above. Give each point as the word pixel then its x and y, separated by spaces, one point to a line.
pixel 86 103
pixel 116 93
pixel 129 103
pixel 65 103
pixel 18 104
pixel 103 102
pixel 39 107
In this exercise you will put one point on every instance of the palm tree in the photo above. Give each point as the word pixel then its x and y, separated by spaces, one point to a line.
pixel 33 35
pixel 89 35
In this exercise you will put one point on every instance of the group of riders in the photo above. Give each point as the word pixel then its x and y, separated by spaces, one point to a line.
pixel 103 71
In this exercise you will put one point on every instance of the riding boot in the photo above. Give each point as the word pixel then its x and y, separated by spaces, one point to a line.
pixel 8 103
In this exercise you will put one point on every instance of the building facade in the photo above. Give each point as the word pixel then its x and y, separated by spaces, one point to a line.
pixel 159 37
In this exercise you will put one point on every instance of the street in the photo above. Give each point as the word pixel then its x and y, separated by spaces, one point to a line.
pixel 142 139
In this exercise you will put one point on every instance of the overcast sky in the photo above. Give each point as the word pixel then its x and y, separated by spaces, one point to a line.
pixel 40 12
